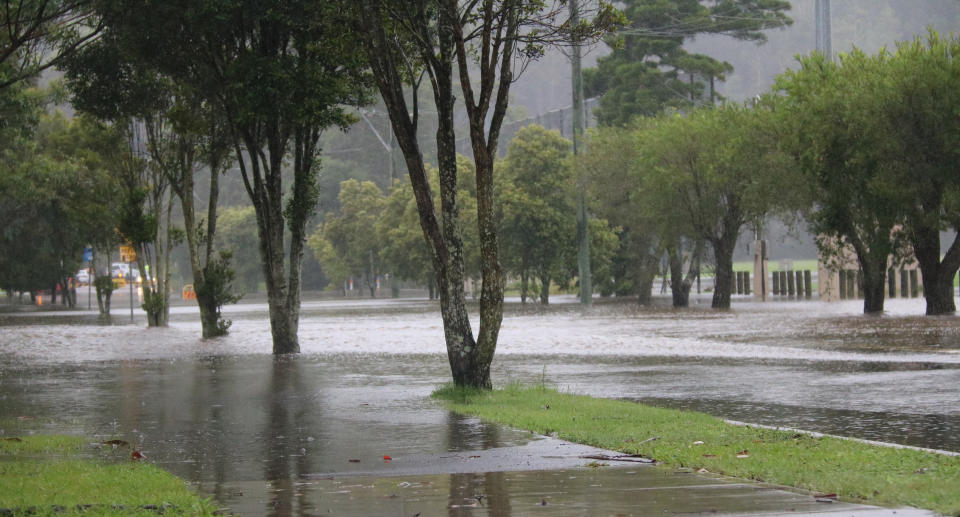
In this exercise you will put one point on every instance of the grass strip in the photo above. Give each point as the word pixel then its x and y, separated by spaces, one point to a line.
pixel 856 472
pixel 46 475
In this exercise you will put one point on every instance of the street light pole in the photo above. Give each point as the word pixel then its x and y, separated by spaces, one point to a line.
pixel 130 281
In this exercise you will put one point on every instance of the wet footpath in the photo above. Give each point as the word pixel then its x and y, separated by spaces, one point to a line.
pixel 347 427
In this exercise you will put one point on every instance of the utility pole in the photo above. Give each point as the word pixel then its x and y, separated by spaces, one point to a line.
pixel 823 28
pixel 583 229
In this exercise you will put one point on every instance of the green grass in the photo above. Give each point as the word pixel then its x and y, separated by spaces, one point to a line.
pixel 40 473
pixel 774 265
pixel 855 471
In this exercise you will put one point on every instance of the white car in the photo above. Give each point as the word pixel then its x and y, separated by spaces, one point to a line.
pixel 123 270
pixel 82 277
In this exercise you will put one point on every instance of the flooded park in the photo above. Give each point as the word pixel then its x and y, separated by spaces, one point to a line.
pixel 308 434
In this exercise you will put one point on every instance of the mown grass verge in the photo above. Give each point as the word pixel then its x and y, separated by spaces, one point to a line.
pixel 856 472
pixel 47 475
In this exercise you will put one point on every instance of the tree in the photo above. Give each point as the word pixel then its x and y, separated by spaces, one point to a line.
pixel 55 199
pixel 537 199
pixel 350 235
pixel 484 39
pixel 609 165
pixel 39 34
pixel 649 70
pixel 279 74
pixel 177 133
pixel 843 144
pixel 709 173
pixel 919 112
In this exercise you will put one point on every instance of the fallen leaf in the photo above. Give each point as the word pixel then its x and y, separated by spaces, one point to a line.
pixel 136 455
pixel 543 502
pixel 743 454
pixel 825 496
pixel 117 443
pixel 387 459
pixel 472 457
pixel 353 460
pixel 709 455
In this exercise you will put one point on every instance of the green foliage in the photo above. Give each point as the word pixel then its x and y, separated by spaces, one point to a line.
pixel 218 276
pixel 857 472
pixel 649 70
pixel 347 243
pixel 405 251
pixel 538 208
pixel 609 165
pixel 55 195
pixel 237 234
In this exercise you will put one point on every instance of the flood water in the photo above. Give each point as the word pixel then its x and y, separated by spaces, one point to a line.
pixel 248 428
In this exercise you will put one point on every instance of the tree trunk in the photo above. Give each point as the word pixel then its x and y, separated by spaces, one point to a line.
pixel 723 249
pixel 679 286
pixel 544 289
pixel 271 257
pixel 649 266
pixel 874 277
pixel 937 275
pixel 524 279
pixel 873 293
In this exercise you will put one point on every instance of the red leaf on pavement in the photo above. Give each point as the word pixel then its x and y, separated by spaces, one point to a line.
pixel 386 458
pixel 136 455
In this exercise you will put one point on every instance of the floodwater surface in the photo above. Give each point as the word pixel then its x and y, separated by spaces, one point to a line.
pixel 254 430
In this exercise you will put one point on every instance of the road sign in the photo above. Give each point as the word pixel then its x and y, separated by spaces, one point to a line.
pixel 88 254
pixel 128 254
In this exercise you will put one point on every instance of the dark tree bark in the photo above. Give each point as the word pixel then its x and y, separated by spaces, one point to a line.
pixel 873 268
pixel 937 275
pixel 723 248
pixel 545 289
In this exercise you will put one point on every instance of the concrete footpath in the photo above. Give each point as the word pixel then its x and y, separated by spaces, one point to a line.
pixel 542 477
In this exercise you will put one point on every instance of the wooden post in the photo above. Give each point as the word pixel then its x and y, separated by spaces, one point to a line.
pixel 904 284
pixel 842 285
pixel 746 282
pixel 914 288
pixel 808 284
pixel 761 287
pixel 892 283
pixel 776 282
pixel 791 287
